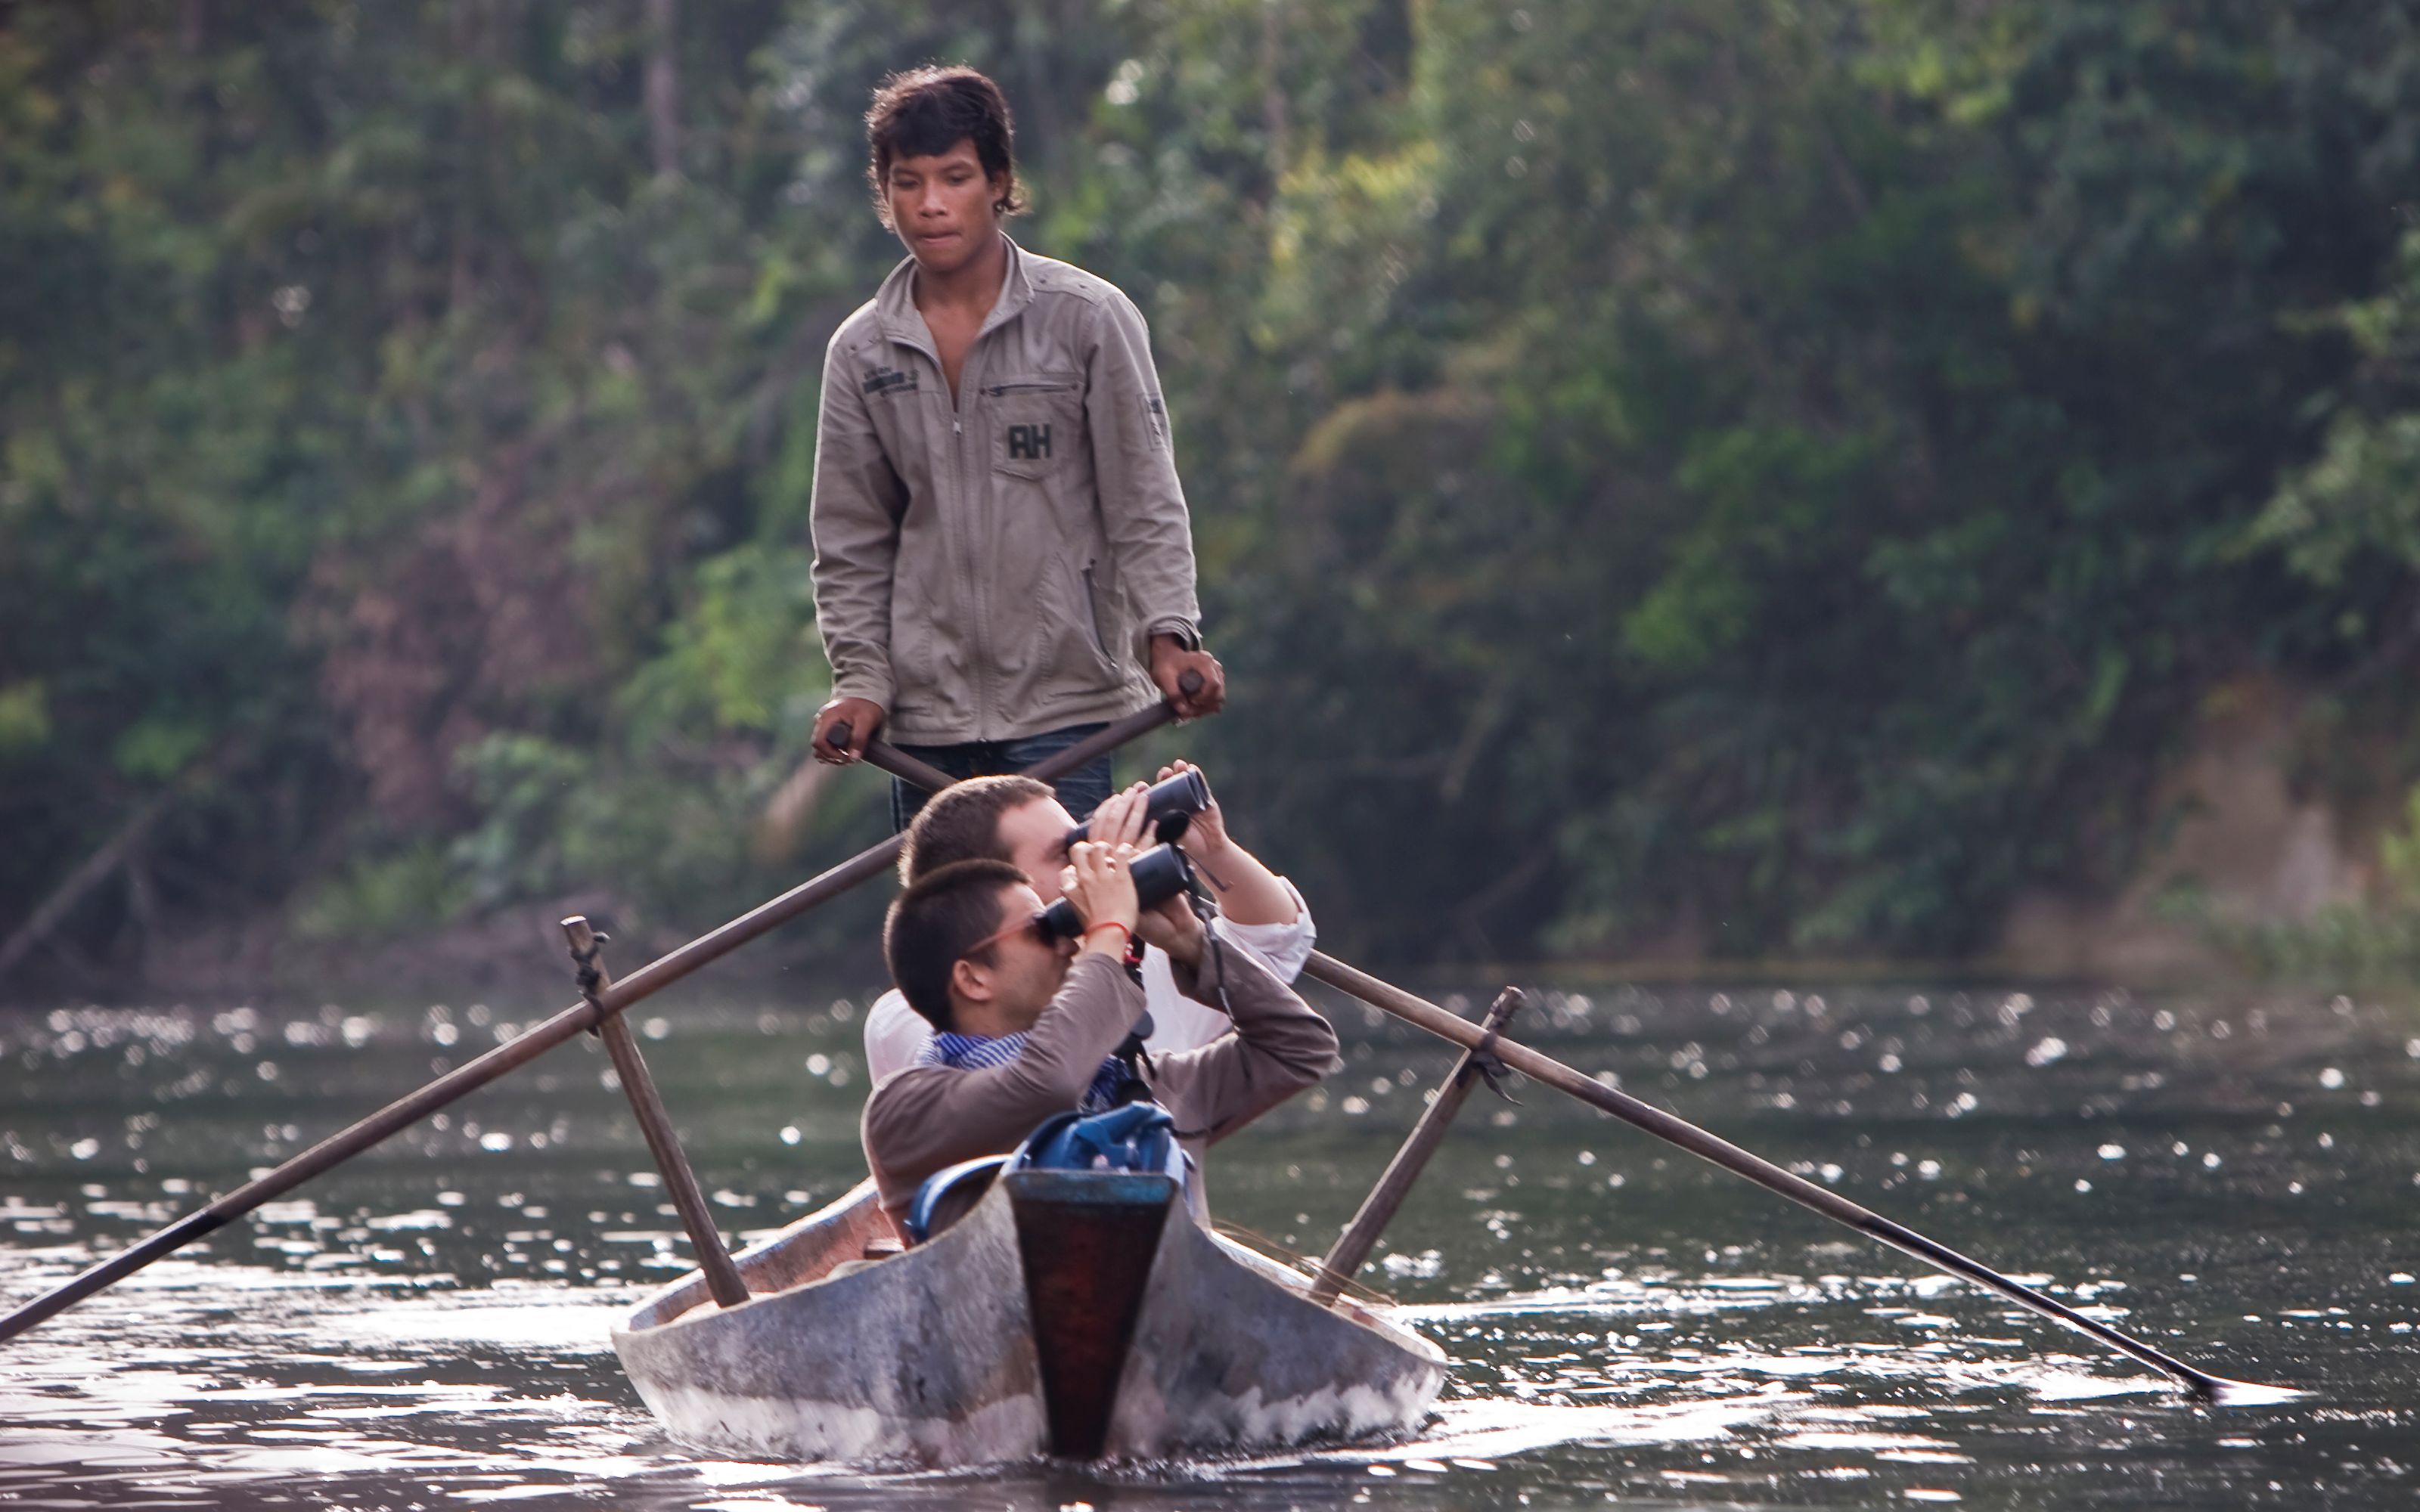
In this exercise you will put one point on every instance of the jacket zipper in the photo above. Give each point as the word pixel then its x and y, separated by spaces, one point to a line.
pixel 971 532
pixel 979 519
pixel 979 527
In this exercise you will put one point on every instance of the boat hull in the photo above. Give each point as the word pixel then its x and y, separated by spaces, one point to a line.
pixel 1069 1313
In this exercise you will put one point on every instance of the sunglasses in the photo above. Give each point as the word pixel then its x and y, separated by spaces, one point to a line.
pixel 1030 924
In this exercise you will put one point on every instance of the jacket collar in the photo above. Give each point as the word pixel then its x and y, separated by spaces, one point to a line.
pixel 980 1051
pixel 894 302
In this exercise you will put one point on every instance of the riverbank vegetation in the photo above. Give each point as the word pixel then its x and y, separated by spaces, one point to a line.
pixel 1706 480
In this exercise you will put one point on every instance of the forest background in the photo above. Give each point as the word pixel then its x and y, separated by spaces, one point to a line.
pixel 1694 479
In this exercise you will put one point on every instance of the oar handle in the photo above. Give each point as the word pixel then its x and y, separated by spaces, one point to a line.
pixel 889 757
pixel 917 772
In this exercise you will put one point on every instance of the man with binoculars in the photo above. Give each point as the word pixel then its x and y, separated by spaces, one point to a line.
pixel 1031 1008
pixel 1019 821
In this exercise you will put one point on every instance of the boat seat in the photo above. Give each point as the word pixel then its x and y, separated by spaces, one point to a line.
pixel 877 1249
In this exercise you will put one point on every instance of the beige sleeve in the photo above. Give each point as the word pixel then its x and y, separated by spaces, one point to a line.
pixel 854 516
pixel 1280 1046
pixel 929 1117
pixel 1142 503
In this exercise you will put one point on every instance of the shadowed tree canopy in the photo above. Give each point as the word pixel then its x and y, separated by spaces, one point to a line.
pixel 1709 478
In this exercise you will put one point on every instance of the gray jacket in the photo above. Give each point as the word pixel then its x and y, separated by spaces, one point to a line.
pixel 925 1118
pixel 995 567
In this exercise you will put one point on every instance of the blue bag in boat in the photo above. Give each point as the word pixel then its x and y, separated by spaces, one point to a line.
pixel 1137 1137
pixel 1140 1136
pixel 946 1194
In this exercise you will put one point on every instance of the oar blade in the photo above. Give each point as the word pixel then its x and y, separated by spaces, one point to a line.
pixel 2221 1392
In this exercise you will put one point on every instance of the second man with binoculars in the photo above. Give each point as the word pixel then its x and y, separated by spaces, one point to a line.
pixel 1021 822
pixel 1023 1014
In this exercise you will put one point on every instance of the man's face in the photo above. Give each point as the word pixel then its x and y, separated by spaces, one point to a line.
pixel 941 207
pixel 1034 835
pixel 1024 970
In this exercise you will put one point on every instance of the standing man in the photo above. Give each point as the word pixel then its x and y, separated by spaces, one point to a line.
pixel 1003 562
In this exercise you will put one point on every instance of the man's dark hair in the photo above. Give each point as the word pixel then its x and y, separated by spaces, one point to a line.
pixel 962 824
pixel 941 917
pixel 925 112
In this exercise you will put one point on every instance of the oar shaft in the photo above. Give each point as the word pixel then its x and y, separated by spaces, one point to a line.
pixel 469 1076
pixel 1378 1209
pixel 666 969
pixel 1676 1131
pixel 329 1152
pixel 882 753
pixel 1722 1152
pixel 918 772
pixel 722 1279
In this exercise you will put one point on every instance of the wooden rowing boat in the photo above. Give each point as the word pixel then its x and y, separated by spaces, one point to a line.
pixel 1079 1314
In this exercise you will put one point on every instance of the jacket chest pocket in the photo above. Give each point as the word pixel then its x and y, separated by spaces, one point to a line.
pixel 1036 423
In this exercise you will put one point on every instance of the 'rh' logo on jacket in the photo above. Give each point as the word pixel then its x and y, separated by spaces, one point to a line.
pixel 1028 443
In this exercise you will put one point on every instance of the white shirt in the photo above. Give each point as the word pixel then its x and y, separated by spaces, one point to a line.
pixel 897 1034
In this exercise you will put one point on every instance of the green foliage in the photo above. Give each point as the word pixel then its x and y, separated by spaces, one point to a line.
pixel 1697 477
pixel 1881 395
pixel 2357 503
pixel 2369 942
pixel 528 790
pixel 2342 946
pixel 740 657
pixel 2398 854
pixel 24 717
pixel 387 897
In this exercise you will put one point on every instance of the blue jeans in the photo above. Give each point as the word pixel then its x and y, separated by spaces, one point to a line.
pixel 1081 790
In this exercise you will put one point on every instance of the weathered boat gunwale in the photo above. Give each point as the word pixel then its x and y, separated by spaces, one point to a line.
pixel 894 1362
pixel 927 1359
pixel 783 1261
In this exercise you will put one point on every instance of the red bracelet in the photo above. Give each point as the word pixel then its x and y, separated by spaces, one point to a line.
pixel 1109 923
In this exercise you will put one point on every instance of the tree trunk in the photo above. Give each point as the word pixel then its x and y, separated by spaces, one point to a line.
pixel 96 870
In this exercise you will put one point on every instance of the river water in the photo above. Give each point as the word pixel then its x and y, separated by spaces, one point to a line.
pixel 2234 1179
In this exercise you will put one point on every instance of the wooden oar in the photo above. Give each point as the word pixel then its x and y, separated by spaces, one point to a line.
pixel 654 977
pixel 1705 1145
pixel 1708 1146
pixel 882 754
pixel 1353 1247
pixel 722 1279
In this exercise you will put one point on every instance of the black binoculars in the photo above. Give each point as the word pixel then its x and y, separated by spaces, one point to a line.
pixel 1160 873
pixel 1170 806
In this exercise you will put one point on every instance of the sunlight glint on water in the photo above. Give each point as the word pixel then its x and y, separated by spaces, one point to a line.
pixel 2233 1181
